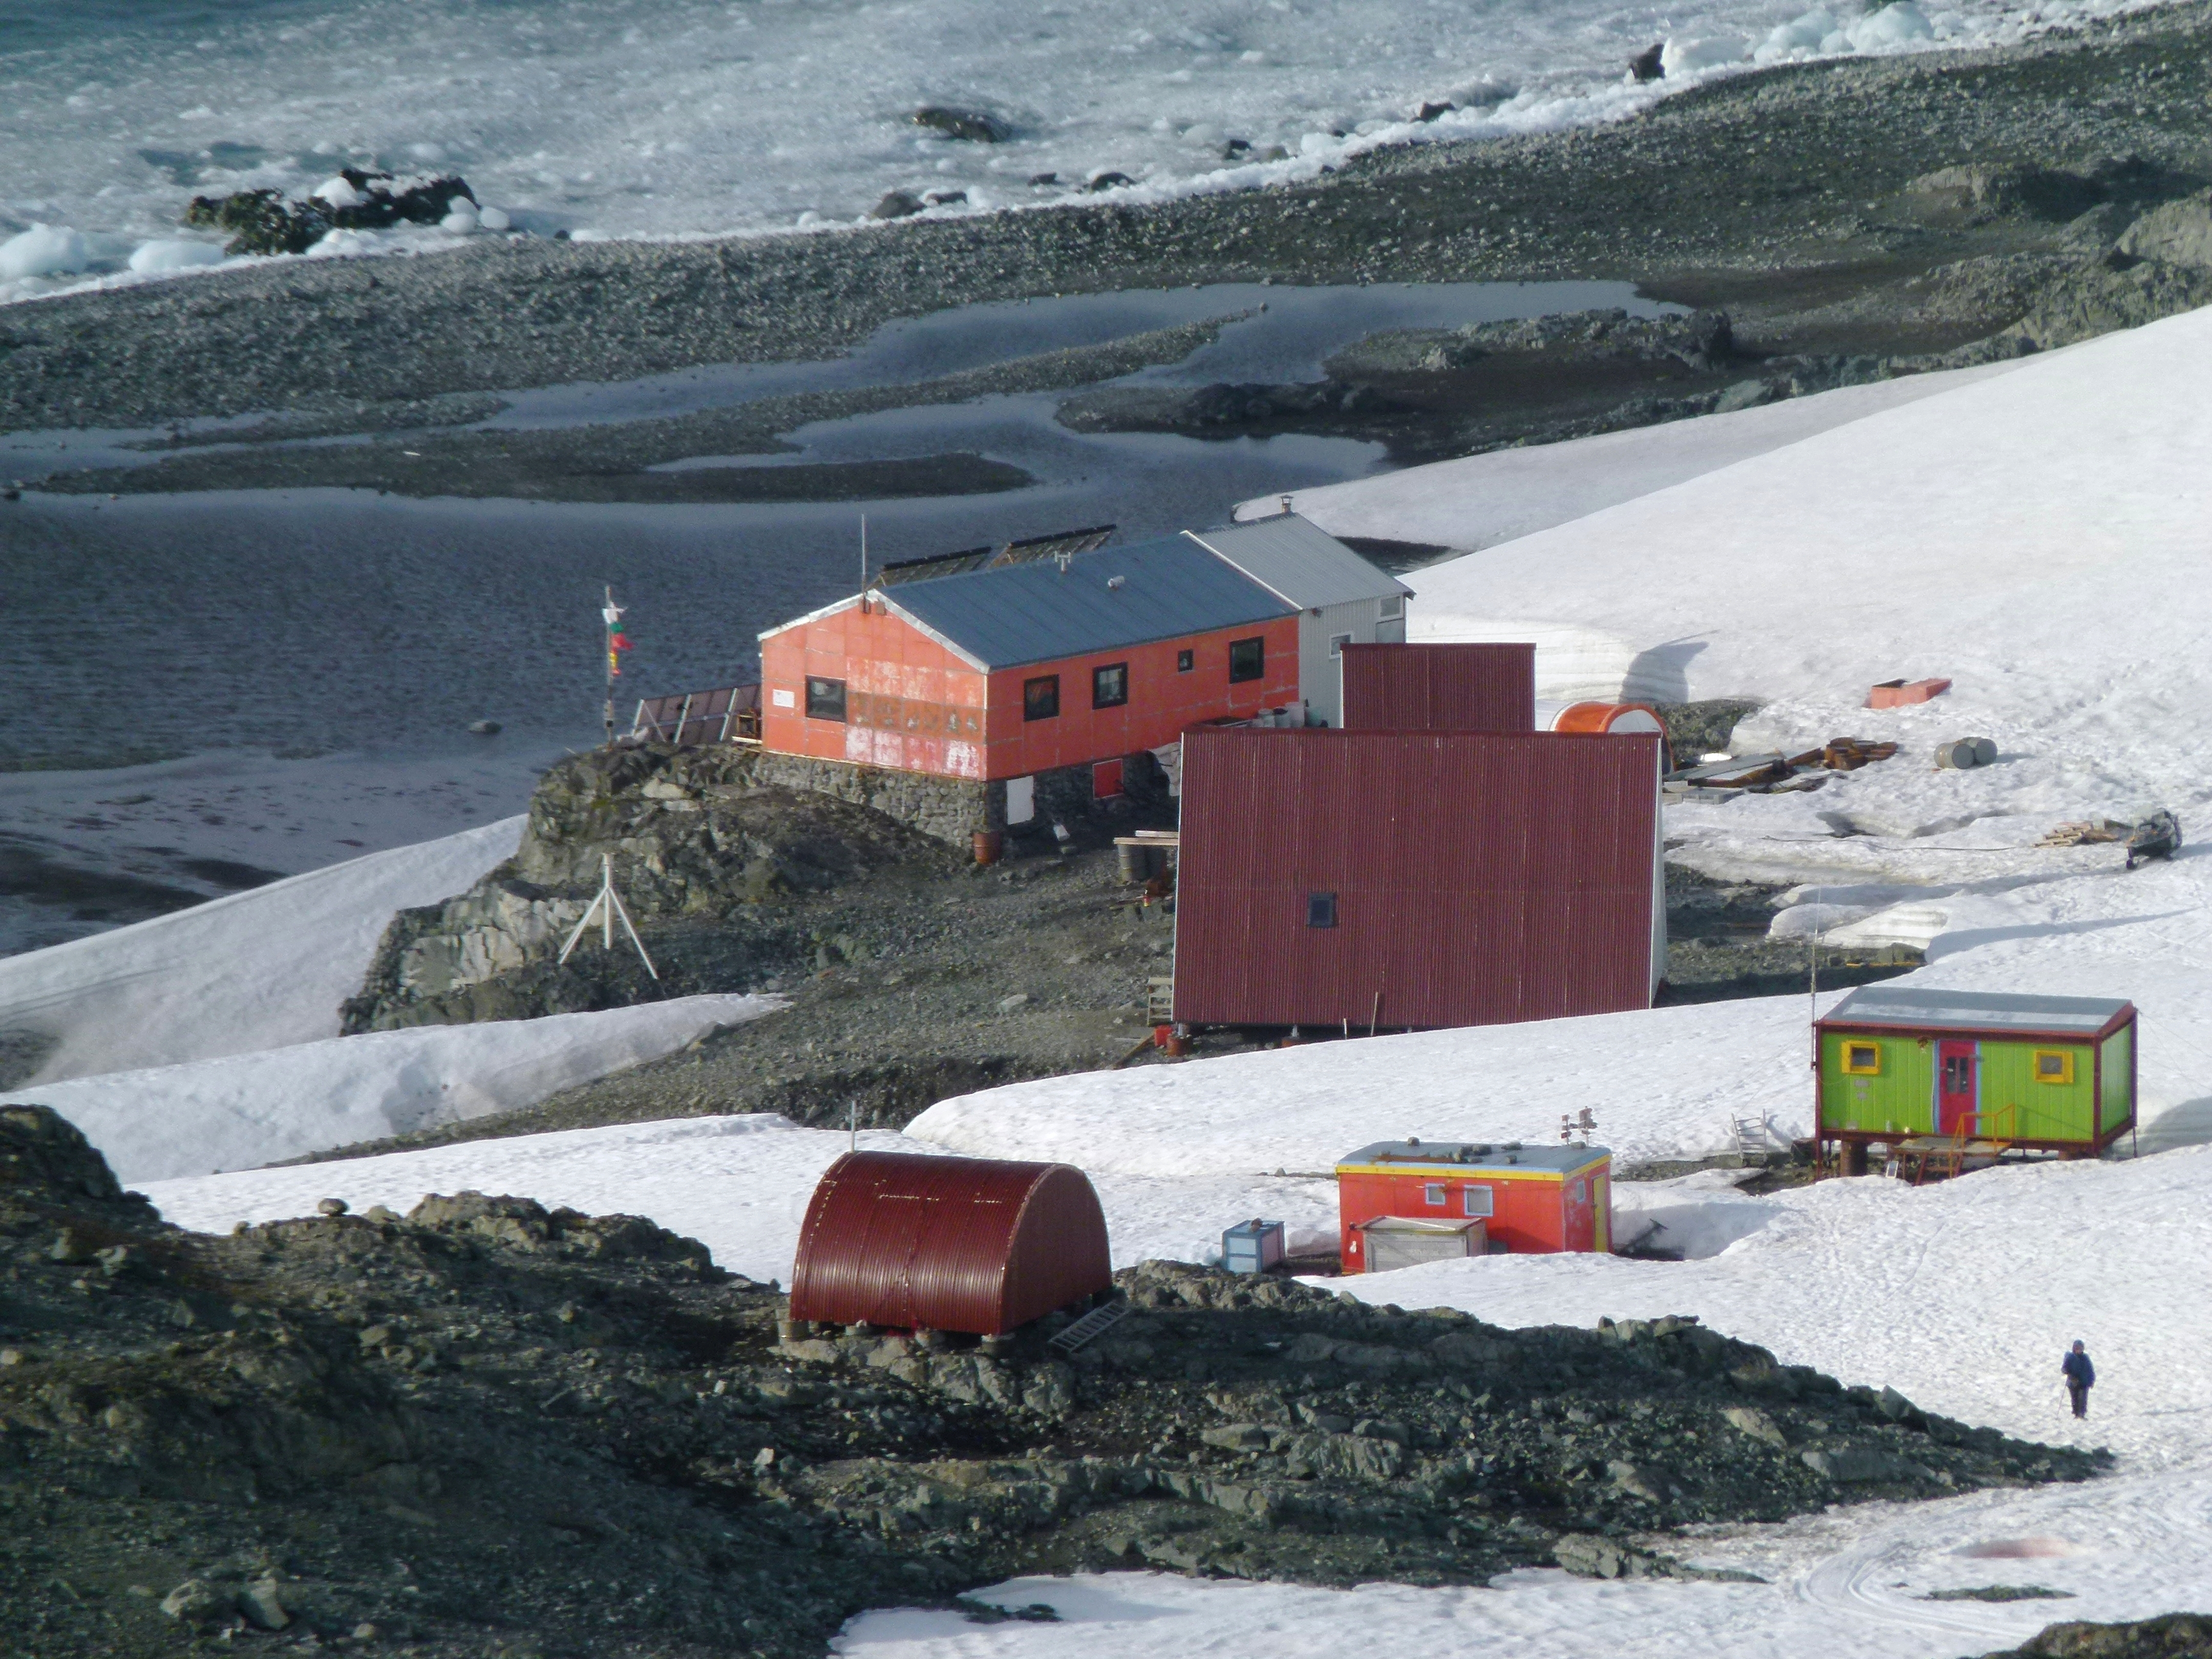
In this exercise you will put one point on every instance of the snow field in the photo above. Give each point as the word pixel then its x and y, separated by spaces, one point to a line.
pixel 740 1185
pixel 259 970
pixel 256 1109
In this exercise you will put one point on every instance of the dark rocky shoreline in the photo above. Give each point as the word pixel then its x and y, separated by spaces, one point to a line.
pixel 1782 197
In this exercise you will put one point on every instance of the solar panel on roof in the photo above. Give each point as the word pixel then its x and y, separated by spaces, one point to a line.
pixel 933 565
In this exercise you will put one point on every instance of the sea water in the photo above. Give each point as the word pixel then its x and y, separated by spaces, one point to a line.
pixel 677 117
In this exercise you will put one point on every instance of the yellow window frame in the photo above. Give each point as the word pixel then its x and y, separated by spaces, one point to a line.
pixel 1861 1058
pixel 2062 1074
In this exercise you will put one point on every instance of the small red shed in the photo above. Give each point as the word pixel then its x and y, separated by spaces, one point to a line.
pixel 1483 687
pixel 1013 670
pixel 1416 880
pixel 918 1242
pixel 1530 1200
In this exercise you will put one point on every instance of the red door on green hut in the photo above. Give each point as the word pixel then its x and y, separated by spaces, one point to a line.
pixel 1957 1060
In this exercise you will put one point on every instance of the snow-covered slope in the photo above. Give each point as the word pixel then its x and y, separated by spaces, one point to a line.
pixel 253 1108
pixel 1481 500
pixel 739 1184
pixel 256 971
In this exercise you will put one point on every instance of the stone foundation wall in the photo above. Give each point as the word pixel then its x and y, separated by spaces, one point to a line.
pixel 953 809
pixel 944 808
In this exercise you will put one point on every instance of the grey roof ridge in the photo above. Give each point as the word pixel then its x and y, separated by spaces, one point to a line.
pixel 1252 577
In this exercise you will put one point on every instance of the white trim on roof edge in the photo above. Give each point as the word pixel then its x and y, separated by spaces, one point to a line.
pixel 892 607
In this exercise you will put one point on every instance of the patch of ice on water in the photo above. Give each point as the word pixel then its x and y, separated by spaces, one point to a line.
pixel 175 255
pixel 42 251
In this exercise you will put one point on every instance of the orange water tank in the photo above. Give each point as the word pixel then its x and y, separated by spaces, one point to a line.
pixel 1611 717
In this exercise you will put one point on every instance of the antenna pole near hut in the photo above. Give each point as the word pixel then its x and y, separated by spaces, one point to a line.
pixel 864 553
pixel 617 642
pixel 607 905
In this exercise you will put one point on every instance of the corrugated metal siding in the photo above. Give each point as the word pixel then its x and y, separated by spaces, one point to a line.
pixel 1300 560
pixel 1319 670
pixel 1034 613
pixel 947 1243
pixel 1480 879
pixel 1440 688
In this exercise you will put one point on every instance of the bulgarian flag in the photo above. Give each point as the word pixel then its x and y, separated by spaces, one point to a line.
pixel 617 642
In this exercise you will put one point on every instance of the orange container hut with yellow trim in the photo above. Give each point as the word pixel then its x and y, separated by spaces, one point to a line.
pixel 1530 1200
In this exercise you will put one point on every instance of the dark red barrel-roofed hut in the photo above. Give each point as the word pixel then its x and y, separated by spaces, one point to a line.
pixel 917 1242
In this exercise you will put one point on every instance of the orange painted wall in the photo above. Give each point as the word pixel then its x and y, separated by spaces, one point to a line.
pixel 915 706
pixel 1533 1214
pixel 910 704
pixel 1162 704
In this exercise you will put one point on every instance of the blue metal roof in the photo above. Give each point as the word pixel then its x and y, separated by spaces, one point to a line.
pixel 1028 613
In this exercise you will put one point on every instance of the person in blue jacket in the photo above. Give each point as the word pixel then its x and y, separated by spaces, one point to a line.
pixel 2080 1376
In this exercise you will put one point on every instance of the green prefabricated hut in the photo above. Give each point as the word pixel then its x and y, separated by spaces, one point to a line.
pixel 2056 1073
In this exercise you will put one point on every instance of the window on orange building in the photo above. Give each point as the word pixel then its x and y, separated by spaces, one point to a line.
pixel 825 700
pixel 1185 661
pixel 1435 1194
pixel 1109 686
pixel 1248 659
pixel 1041 698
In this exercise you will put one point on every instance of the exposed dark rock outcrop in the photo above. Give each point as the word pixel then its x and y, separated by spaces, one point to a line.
pixel 702 852
pixel 264 222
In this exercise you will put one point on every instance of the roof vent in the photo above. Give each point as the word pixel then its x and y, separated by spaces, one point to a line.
pixel 1115 582
pixel 1413 1141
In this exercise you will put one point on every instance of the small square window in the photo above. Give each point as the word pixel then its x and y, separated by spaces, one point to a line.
pixel 1321 909
pixel 1185 661
pixel 1248 659
pixel 2054 1065
pixel 1436 1194
pixel 1862 1059
pixel 1391 608
pixel 1041 698
pixel 1337 642
pixel 825 700
pixel 1109 686
pixel 1477 1200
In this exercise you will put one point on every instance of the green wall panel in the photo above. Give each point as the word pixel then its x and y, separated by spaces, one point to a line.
pixel 1897 1101
pixel 2119 1079
pixel 2048 1111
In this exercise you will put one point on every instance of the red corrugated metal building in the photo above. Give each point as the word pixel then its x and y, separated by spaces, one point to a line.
pixel 916 1242
pixel 1007 672
pixel 1439 688
pixel 1400 880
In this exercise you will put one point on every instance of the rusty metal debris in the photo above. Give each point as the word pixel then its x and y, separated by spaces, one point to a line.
pixel 1774 773
pixel 2081 835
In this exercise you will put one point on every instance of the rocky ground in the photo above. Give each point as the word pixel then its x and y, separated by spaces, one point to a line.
pixel 1851 219
pixel 485 1429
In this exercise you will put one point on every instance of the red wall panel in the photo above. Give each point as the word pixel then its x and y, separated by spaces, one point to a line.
pixel 1440 688
pixel 1478 878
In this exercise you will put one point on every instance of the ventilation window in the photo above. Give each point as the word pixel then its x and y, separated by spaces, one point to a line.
pixel 1391 608
pixel 1321 909
pixel 1477 1200
pixel 825 700
pixel 1185 661
pixel 1337 642
pixel 1862 1059
pixel 1109 686
pixel 2054 1065
pixel 1041 698
pixel 1248 659
pixel 1435 1194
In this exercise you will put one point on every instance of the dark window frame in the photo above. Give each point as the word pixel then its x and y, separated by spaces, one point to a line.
pixel 822 703
pixel 1185 661
pixel 1254 654
pixel 1098 698
pixel 1041 698
pixel 1321 909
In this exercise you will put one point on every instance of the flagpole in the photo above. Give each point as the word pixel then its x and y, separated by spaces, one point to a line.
pixel 610 613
